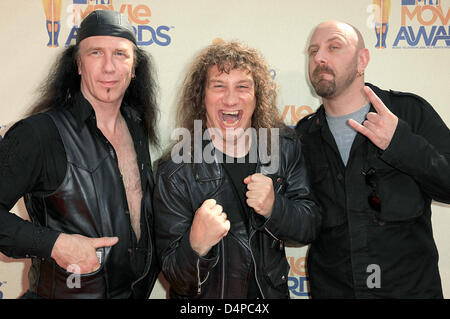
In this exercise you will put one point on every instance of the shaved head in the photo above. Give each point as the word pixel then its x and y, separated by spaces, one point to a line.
pixel 337 58
pixel 352 33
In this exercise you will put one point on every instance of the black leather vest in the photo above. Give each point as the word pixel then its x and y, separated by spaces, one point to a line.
pixel 90 201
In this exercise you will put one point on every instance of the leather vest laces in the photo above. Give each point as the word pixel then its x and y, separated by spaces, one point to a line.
pixel 90 201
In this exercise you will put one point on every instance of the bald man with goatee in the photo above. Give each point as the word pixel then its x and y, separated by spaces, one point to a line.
pixel 376 159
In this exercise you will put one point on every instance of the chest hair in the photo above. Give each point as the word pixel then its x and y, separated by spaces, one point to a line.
pixel 126 155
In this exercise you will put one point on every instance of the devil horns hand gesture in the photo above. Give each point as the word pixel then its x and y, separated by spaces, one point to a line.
pixel 379 127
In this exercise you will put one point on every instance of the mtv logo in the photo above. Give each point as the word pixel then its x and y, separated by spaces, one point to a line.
pixel 408 2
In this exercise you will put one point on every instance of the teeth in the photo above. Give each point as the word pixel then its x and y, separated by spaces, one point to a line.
pixel 231 113
pixel 230 118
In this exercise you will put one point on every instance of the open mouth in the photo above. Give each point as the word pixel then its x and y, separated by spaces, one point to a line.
pixel 230 118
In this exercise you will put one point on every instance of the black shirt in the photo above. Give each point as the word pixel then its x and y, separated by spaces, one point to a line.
pixel 238 170
pixel 385 251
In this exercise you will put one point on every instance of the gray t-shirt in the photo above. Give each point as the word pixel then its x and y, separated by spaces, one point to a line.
pixel 343 133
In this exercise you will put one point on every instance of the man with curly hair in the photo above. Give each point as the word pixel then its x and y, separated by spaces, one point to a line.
pixel 224 212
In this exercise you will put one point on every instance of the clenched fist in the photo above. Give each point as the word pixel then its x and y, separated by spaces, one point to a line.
pixel 260 194
pixel 209 226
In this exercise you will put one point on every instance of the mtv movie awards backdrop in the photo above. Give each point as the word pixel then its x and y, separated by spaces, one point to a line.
pixel 408 42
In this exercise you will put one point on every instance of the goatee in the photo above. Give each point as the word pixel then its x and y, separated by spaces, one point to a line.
pixel 324 88
pixel 331 88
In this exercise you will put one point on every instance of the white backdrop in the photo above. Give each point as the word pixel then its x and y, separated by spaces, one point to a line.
pixel 416 59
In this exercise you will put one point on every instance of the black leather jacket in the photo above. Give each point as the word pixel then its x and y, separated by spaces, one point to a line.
pixel 182 188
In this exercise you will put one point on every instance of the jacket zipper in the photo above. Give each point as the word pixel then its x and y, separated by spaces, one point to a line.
pixel 259 169
pixel 270 233
pixel 223 269
pixel 254 264
pixel 199 281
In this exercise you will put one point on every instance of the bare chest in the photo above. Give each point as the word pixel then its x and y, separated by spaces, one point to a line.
pixel 129 170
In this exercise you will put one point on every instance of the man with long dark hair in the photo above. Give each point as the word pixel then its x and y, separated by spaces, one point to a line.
pixel 81 161
pixel 222 218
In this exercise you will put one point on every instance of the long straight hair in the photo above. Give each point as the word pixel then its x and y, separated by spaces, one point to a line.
pixel 63 82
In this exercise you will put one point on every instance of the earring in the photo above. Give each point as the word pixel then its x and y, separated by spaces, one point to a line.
pixel 361 73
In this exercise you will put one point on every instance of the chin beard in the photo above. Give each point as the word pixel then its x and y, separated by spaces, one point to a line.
pixel 325 88
pixel 329 88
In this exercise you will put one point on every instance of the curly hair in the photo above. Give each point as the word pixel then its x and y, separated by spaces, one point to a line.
pixel 63 82
pixel 227 56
